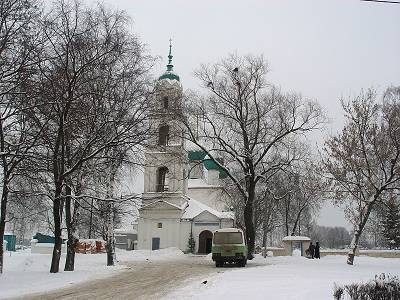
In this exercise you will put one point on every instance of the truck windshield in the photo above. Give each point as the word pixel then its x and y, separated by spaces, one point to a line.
pixel 228 238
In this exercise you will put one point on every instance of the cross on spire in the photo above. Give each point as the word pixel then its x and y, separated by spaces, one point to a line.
pixel 170 66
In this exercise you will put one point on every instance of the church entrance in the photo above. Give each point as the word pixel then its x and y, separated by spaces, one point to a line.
pixel 205 242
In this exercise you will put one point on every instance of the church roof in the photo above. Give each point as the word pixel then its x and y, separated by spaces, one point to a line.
pixel 163 202
pixel 209 164
pixel 195 208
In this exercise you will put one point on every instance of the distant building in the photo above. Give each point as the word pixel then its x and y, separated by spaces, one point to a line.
pixel 182 196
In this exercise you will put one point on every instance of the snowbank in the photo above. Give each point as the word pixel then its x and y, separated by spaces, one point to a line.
pixel 286 278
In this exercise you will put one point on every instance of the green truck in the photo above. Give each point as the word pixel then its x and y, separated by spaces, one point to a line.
pixel 228 245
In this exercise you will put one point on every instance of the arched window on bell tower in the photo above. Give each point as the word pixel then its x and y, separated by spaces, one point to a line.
pixel 162 179
pixel 163 135
pixel 165 102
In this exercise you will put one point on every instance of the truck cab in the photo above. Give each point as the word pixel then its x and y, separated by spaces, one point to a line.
pixel 228 245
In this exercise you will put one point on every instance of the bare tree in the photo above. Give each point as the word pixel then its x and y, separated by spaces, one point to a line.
pixel 304 199
pixel 17 139
pixel 266 214
pixel 372 236
pixel 96 75
pixel 331 237
pixel 363 161
pixel 249 124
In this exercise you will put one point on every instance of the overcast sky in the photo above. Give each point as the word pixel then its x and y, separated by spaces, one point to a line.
pixel 323 49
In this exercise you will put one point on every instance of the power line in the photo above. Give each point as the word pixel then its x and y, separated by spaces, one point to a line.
pixel 382 1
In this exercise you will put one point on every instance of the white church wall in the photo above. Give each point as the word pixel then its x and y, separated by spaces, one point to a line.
pixel 196 170
pixel 211 176
pixel 227 223
pixel 214 197
pixel 169 233
pixel 184 235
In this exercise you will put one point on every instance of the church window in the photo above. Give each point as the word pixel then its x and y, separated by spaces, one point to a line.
pixel 165 102
pixel 163 135
pixel 159 225
pixel 162 179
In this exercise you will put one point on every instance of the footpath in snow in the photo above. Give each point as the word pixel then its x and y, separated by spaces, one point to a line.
pixel 287 278
pixel 26 273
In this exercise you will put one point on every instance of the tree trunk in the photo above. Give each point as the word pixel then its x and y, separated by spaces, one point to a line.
pixel 287 203
pixel 57 215
pixel 70 220
pixel 70 259
pixel 91 220
pixel 110 245
pixel 248 221
pixel 297 221
pixel 264 237
pixel 1 250
pixel 357 234
pixel 4 198
pixel 4 194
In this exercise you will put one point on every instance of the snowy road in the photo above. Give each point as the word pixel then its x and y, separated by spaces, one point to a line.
pixel 144 280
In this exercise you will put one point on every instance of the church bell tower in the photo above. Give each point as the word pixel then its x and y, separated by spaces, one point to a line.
pixel 165 174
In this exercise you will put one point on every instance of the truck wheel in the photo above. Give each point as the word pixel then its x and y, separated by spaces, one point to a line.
pixel 219 264
pixel 242 263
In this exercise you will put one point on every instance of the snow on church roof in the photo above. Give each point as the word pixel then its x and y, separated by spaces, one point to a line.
pixel 163 201
pixel 195 208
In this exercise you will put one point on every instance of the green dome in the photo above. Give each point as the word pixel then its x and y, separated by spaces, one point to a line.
pixel 169 75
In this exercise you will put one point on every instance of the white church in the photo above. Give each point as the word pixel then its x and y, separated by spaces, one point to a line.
pixel 182 196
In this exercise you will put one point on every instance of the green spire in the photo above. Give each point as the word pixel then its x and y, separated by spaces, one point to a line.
pixel 169 73
pixel 170 66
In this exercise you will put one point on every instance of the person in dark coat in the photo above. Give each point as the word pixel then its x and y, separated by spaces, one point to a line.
pixel 316 251
pixel 311 250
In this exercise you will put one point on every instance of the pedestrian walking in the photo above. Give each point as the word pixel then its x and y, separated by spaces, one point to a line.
pixel 316 251
pixel 311 250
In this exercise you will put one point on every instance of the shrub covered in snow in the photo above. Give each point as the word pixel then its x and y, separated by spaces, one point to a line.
pixel 383 287
pixel 191 246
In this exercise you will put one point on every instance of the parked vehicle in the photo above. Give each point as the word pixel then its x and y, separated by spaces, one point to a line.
pixel 228 245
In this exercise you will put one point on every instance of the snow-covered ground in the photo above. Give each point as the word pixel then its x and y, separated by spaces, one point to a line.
pixel 26 273
pixel 287 278
pixel 271 278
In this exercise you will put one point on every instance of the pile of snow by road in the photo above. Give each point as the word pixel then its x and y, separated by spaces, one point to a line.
pixel 287 278
pixel 26 273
